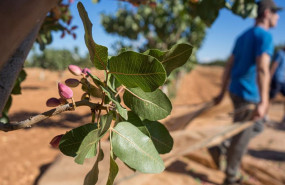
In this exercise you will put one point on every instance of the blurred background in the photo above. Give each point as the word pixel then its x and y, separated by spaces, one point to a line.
pixel 211 27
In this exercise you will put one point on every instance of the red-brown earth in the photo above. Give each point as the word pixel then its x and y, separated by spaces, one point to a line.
pixel 26 153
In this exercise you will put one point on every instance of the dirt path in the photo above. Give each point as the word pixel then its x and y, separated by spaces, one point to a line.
pixel 25 153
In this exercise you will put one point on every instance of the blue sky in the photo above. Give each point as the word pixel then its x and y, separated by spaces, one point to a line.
pixel 217 45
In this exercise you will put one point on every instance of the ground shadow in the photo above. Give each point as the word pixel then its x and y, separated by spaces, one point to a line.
pixel 67 120
pixel 276 125
pixel 180 122
pixel 268 154
pixel 33 88
pixel 180 167
pixel 43 169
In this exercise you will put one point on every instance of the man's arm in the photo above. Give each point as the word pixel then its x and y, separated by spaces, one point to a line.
pixel 273 68
pixel 225 79
pixel 263 77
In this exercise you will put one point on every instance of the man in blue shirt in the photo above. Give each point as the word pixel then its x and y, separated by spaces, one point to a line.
pixel 248 77
pixel 277 72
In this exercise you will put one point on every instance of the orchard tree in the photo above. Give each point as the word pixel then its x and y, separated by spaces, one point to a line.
pixel 170 22
pixel 58 59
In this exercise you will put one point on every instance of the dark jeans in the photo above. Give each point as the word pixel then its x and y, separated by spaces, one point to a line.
pixel 276 87
pixel 238 144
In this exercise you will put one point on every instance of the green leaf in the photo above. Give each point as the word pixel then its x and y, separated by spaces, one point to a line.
pixel 105 123
pixel 160 136
pixel 8 105
pixel 88 146
pixel 135 149
pixel 17 87
pixel 176 57
pixel 98 53
pixel 245 8
pixel 113 83
pixel 122 111
pixel 208 10
pixel 137 70
pixel 113 171
pixel 4 118
pixel 96 80
pixel 148 105
pixel 136 121
pixel 71 141
pixel 91 89
pixel 92 177
pixel 156 53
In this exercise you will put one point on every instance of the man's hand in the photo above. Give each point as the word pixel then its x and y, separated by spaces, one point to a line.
pixel 260 111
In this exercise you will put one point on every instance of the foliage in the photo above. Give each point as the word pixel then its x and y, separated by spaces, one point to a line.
pixel 171 22
pixel 15 91
pixel 58 19
pixel 136 136
pixel 162 26
pixel 278 47
pixel 54 59
pixel 215 63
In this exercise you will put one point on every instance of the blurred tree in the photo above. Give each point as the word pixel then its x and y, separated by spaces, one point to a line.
pixel 160 27
pixel 170 22
pixel 278 47
pixel 58 59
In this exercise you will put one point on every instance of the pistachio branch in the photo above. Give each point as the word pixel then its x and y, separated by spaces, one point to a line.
pixel 6 127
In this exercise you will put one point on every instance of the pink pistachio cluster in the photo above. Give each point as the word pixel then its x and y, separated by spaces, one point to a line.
pixel 77 71
pixel 66 93
pixel 64 90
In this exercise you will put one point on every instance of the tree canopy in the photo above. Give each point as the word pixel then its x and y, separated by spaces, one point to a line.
pixel 170 22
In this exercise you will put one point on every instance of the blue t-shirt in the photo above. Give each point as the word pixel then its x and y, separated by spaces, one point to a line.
pixel 279 74
pixel 251 44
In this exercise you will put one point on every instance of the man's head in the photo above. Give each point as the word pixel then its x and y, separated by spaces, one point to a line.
pixel 267 10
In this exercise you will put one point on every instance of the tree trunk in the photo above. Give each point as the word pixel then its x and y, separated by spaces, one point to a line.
pixel 12 68
pixel 17 20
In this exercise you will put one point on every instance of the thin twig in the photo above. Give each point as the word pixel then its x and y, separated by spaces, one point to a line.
pixel 6 127
pixel 120 90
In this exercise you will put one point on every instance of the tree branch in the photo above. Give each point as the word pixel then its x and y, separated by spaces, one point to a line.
pixel 35 119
